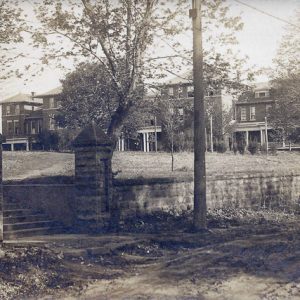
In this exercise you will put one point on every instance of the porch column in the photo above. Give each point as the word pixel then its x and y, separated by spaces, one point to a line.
pixel 147 142
pixel 247 138
pixel 27 146
pixel 122 144
pixel 261 137
pixel 144 142
pixel 12 147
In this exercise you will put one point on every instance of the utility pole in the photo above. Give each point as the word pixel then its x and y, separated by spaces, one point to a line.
pixel 211 135
pixel 1 193
pixel 199 121
pixel 155 133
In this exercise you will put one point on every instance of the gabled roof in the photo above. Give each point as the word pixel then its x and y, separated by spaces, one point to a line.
pixel 185 78
pixel 20 98
pixel 262 86
pixel 52 92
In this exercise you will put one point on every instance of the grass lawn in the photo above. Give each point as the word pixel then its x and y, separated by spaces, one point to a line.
pixel 20 165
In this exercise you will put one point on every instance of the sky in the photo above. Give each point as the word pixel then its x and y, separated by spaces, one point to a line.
pixel 259 40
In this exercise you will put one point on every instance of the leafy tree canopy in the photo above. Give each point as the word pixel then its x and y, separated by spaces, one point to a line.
pixel 120 36
pixel 285 115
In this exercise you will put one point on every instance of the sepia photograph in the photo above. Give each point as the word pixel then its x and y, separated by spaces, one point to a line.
pixel 150 149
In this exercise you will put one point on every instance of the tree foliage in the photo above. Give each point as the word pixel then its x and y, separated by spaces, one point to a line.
pixel 120 35
pixel 285 115
pixel 12 25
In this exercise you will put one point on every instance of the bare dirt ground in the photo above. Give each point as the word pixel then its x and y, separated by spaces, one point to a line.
pixel 244 255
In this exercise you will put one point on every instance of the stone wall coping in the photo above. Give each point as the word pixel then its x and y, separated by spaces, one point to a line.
pixel 149 181
pixel 166 180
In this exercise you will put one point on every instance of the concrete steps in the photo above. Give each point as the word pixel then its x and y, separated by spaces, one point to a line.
pixel 21 221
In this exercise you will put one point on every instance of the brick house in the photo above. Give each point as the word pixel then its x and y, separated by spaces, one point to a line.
pixel 21 121
pixel 251 112
pixel 50 107
pixel 25 116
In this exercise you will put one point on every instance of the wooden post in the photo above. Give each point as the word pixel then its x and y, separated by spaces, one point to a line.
pixel 1 193
pixel 199 121
pixel 211 135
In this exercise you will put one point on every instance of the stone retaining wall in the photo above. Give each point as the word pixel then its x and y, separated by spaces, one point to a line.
pixel 251 191
pixel 138 195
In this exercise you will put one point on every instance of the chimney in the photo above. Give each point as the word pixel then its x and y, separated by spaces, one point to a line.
pixel 32 96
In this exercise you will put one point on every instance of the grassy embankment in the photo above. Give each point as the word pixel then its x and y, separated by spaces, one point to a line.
pixel 21 165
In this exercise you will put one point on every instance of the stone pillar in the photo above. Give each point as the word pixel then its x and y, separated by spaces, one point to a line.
pixel 1 193
pixel 93 178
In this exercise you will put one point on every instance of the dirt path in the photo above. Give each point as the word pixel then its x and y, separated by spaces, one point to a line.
pixel 230 264
pixel 245 255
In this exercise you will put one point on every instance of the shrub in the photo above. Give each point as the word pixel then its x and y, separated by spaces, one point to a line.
pixel 263 148
pixel 241 147
pixel 273 149
pixel 235 148
pixel 221 147
pixel 253 147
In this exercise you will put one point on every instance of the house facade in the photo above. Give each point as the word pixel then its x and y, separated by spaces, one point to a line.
pixel 21 121
pixel 24 117
pixel 251 116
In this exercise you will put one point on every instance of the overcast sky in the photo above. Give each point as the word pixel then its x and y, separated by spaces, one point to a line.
pixel 259 40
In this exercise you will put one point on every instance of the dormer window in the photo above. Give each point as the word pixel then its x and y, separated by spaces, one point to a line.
pixel 262 94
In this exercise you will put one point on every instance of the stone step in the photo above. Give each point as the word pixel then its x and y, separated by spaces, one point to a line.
pixel 24 218
pixel 17 212
pixel 12 206
pixel 28 225
pixel 13 234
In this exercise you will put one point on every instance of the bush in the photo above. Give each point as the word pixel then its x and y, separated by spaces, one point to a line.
pixel 220 147
pixel 273 149
pixel 253 147
pixel 241 147
pixel 263 148
pixel 235 148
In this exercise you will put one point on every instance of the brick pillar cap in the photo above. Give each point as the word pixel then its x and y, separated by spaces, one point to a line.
pixel 92 135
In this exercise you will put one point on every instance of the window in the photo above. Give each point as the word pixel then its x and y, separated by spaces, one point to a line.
pixel 16 127
pixel 243 114
pixel 8 109
pixel 17 109
pixel 252 113
pixel 190 91
pixel 182 92
pixel 262 94
pixel 58 104
pixel 33 127
pixel 10 127
pixel 51 102
pixel 171 91
pixel 180 111
pixel 268 107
